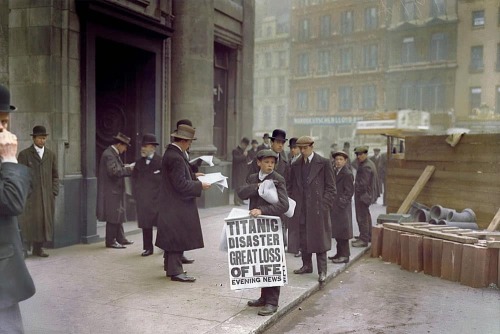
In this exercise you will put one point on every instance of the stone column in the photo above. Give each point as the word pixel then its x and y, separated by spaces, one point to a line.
pixel 192 69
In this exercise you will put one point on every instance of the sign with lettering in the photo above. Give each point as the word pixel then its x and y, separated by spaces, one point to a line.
pixel 327 120
pixel 256 254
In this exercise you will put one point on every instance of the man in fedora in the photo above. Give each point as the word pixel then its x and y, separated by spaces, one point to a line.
pixel 146 179
pixel 37 221
pixel 110 191
pixel 15 284
pixel 179 227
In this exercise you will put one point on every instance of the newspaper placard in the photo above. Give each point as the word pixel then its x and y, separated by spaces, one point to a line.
pixel 256 255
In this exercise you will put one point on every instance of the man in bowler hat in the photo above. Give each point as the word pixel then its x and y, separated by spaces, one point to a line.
pixel 37 221
pixel 265 145
pixel 146 179
pixel 15 284
pixel 110 191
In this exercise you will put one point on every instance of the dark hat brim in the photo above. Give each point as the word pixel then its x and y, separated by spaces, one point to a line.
pixel 150 143
pixel 122 141
pixel 278 138
pixel 7 108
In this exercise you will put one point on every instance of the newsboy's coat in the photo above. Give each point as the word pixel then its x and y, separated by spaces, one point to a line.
pixel 179 227
pixel 15 283
pixel 146 179
pixel 341 213
pixel 314 195
pixel 111 187
pixel 37 221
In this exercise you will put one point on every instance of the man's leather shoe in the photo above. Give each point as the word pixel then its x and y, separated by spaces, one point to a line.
pixel 40 252
pixel 185 260
pixel 147 252
pixel 127 242
pixel 115 245
pixel 336 256
pixel 303 270
pixel 359 243
pixel 298 254
pixel 256 302
pixel 322 277
pixel 268 310
pixel 341 259
pixel 183 278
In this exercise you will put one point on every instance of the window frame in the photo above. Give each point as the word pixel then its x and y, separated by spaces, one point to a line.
pixel 475 18
pixel 345 102
pixel 471 97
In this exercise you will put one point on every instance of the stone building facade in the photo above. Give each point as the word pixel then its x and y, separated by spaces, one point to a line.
pixel 88 69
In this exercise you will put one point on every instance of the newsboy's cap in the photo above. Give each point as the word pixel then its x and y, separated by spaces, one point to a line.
pixel 39 130
pixel 279 134
pixel 293 142
pixel 266 154
pixel 184 132
pixel 149 139
pixel 361 149
pixel 341 153
pixel 5 105
pixel 305 141
pixel 122 138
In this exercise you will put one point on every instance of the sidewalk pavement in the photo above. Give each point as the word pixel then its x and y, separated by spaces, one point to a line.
pixel 93 289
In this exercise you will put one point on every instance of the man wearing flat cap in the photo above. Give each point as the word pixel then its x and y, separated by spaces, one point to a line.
pixel 37 221
pixel 146 179
pixel 111 190
pixel 15 284
pixel 179 227
pixel 312 186
pixel 363 195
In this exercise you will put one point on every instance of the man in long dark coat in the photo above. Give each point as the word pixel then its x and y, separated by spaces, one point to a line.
pixel 364 195
pixel 179 226
pixel 15 283
pixel 313 188
pixel 110 191
pixel 37 221
pixel 146 179
pixel 239 168
pixel 341 213
pixel 265 143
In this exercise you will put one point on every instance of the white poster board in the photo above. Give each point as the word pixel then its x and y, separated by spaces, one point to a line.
pixel 256 254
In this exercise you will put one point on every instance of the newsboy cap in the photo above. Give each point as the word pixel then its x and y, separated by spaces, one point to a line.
pixel 361 149
pixel 39 130
pixel 149 139
pixel 5 105
pixel 305 141
pixel 279 134
pixel 341 153
pixel 184 132
pixel 122 138
pixel 267 154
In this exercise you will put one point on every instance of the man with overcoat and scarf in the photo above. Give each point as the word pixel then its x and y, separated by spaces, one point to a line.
pixel 312 186
pixel 179 227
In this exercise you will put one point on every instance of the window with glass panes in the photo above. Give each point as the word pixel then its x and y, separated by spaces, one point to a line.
pixel 475 97
pixel 326 26
pixel 478 18
pixel 371 18
pixel 347 22
pixel 324 61
pixel 408 10
pixel 476 58
pixel 302 100
pixel 303 64
pixel 439 47
pixel 370 56
pixel 323 96
pixel 408 51
pixel 369 96
pixel 304 29
pixel 345 98
pixel 345 59
pixel 438 8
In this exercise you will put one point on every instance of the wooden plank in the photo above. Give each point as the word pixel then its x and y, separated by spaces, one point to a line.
pixel 417 188
pixel 413 224
pixel 495 223
pixel 481 234
pixel 493 244
pixel 436 234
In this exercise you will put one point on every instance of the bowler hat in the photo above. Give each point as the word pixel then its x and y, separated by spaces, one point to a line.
pixel 266 154
pixel 342 153
pixel 39 130
pixel 122 138
pixel 266 135
pixel 293 142
pixel 305 141
pixel 278 134
pixel 149 139
pixel 361 149
pixel 5 105
pixel 184 132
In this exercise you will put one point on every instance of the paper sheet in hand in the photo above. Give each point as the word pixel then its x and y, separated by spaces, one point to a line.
pixel 217 179
pixel 206 158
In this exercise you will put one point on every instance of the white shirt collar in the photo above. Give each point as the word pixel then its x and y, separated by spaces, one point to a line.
pixel 177 146
pixel 116 150
pixel 262 175
pixel 310 157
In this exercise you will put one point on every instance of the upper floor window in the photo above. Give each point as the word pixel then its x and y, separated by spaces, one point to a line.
pixel 303 64
pixel 408 10
pixel 478 18
pixel 324 61
pixel 371 18
pixel 369 97
pixel 370 56
pixel 304 27
pixel 326 26
pixel 345 59
pixel 407 96
pixel 435 99
pixel 268 58
pixel 345 98
pixel 438 8
pixel 347 22
pixel 475 97
pixel 439 47
pixel 476 58
pixel 302 100
pixel 408 51
pixel 323 95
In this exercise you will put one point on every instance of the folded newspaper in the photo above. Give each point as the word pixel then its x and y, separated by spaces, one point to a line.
pixel 205 158
pixel 217 179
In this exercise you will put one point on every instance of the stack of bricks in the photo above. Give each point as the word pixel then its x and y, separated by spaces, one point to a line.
pixel 471 265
